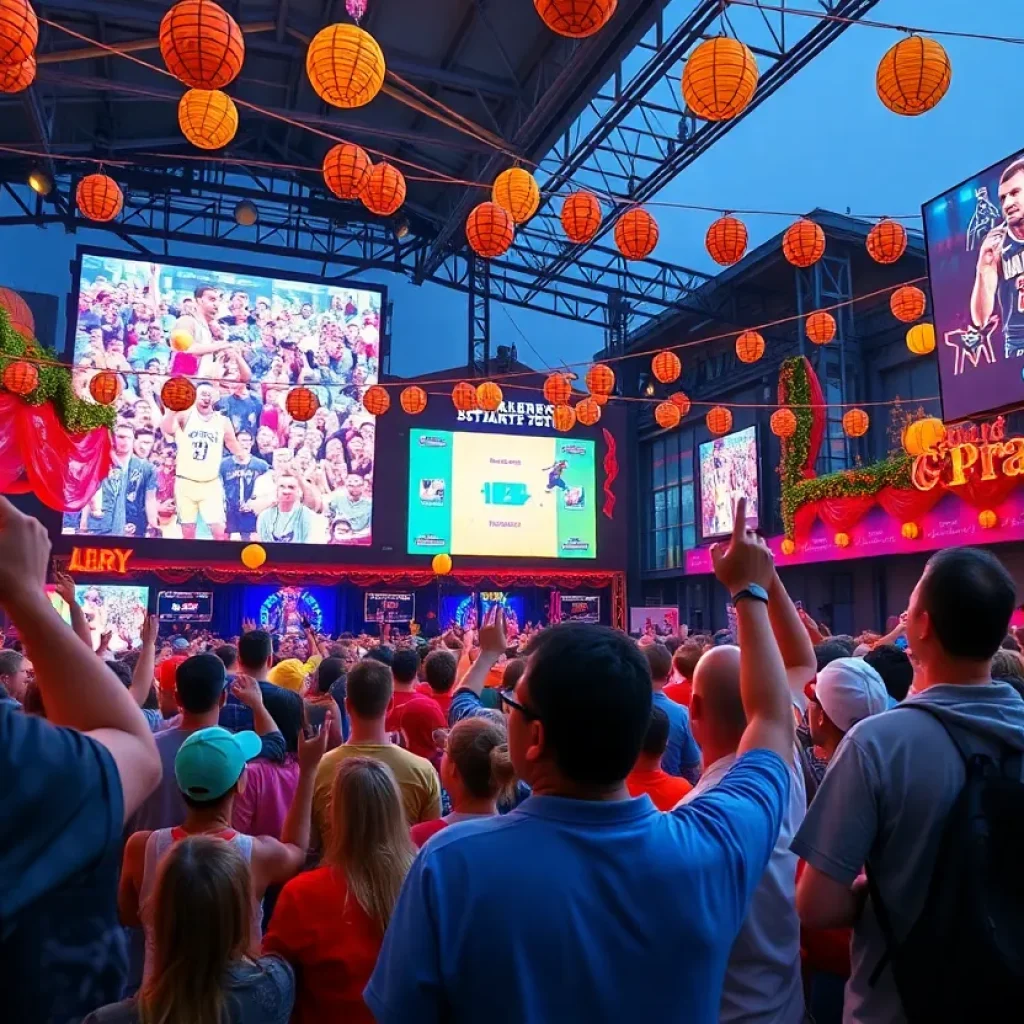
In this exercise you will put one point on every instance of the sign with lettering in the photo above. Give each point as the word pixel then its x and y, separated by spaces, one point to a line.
pixel 113 560
pixel 512 414
pixel 970 451
pixel 581 608
pixel 389 607
pixel 184 605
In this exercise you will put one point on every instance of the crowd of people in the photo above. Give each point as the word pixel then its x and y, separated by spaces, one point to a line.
pixel 572 825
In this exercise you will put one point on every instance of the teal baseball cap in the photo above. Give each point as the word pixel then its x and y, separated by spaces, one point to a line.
pixel 212 760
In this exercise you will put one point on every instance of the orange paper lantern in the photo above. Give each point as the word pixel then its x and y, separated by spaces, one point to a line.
pixel 489 230
pixel 855 422
pixel 576 19
pixel 667 415
pixel 601 400
pixel 201 44
pixel 345 66
pixel 105 387
pixel 666 367
pixel 99 197
pixel 302 404
pixel 600 379
pixel 719 420
pixel 588 412
pixel 636 234
pixel 908 303
pixel 788 546
pixel 987 519
pixel 489 396
pixel 886 241
pixel 820 327
pixel 910 531
pixel 376 401
pixel 557 389
pixel 347 170
pixel 842 540
pixel 17 77
pixel 178 394
pixel 464 396
pixel 726 241
pixel 803 244
pixel 913 76
pixel 253 556
pixel 441 564
pixel 207 118
pixel 921 437
pixel 21 378
pixel 719 79
pixel 783 423
pixel 749 347
pixel 516 191
pixel 921 339
pixel 19 32
pixel 581 217
pixel 18 313
pixel 413 400
pixel 681 402
pixel 384 191
pixel 564 417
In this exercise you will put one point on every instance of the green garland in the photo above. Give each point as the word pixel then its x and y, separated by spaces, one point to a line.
pixel 54 385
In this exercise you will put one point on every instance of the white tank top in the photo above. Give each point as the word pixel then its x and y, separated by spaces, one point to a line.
pixel 200 447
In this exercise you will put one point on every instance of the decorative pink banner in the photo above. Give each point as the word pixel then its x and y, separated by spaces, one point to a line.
pixel 950 523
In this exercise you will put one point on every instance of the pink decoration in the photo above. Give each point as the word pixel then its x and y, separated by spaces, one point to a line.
pixel 356 9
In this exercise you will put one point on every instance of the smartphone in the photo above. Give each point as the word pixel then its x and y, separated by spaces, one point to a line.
pixel 799 605
pixel 901 643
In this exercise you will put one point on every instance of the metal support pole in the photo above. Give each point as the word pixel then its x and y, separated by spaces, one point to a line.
pixel 479 281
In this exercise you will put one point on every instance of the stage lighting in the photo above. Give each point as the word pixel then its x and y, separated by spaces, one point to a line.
pixel 246 213
pixel 41 182
pixel 401 227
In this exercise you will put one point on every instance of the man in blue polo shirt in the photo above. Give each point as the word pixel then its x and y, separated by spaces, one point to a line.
pixel 584 904
pixel 682 755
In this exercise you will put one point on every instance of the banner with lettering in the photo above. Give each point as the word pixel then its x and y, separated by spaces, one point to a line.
pixel 184 605
pixel 581 608
pixel 393 606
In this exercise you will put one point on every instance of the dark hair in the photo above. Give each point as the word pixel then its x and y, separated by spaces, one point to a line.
pixel 122 671
pixel 514 669
pixel 384 654
pixel 684 661
pixel 10 662
pixel 202 289
pixel 659 660
pixel 673 643
pixel 656 737
pixel 254 648
pixel 1010 643
pixel 591 688
pixel 227 653
pixel 478 748
pixel 286 709
pixel 33 702
pixel 405 665
pixel 199 682
pixel 828 651
pixel 369 689
pixel 969 597
pixel 440 669
pixel 328 672
pixel 894 666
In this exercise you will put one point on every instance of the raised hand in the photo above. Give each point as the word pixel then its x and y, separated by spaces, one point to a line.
pixel 65 586
pixel 24 555
pixel 492 633
pixel 247 690
pixel 992 247
pixel 746 560
pixel 313 749
pixel 150 630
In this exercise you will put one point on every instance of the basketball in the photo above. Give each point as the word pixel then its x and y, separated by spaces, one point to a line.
pixel 181 341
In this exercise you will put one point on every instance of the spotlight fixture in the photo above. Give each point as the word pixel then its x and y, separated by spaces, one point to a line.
pixel 40 182
pixel 401 228
pixel 246 213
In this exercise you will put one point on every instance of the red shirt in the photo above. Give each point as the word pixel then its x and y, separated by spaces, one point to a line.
pixel 679 692
pixel 664 790
pixel 444 699
pixel 420 833
pixel 331 943
pixel 399 700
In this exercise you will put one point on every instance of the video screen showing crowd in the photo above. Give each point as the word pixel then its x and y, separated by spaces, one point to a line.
pixel 234 465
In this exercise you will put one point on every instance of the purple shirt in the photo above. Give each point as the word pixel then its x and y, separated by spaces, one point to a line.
pixel 261 805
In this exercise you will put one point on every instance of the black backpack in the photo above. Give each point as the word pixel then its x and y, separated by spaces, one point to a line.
pixel 964 956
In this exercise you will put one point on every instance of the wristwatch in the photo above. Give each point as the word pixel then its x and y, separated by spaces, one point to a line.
pixel 752 591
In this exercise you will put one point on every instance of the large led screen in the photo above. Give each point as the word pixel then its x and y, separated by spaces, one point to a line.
pixel 114 609
pixel 728 471
pixel 501 494
pixel 234 465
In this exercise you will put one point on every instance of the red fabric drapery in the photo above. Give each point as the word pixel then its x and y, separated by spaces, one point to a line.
pixel 982 494
pixel 908 505
pixel 843 514
pixel 804 518
pixel 817 399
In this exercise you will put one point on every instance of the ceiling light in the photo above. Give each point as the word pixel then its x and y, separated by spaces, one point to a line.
pixel 41 182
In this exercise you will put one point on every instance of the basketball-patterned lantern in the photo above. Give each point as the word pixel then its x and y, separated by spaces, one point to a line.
pixel 17 77
pixel 253 556
pixel 575 18
pixel 667 415
pixel 441 564
pixel 21 378
pixel 201 44
pixel 783 423
pixel 601 400
pixel 910 531
pixel 921 339
pixel 302 404
pixel 913 76
pixel 820 327
pixel 516 191
pixel 557 389
pixel 855 422
pixel 922 436
pixel 464 396
pixel 384 191
pixel 581 217
pixel 719 79
pixel 99 197
pixel 600 379
pixel 208 118
pixel 345 66
pixel 18 313
pixel 376 400
pixel 347 170
pixel 803 244
pixel 749 347
pixel 19 32
pixel 588 412
pixel 489 396
pixel 489 230
pixel 886 241
pixel 681 401
pixel 178 394
pixel 413 400
pixel 726 241
pixel 636 234
pixel 987 519
pixel 105 387
pixel 666 367
pixel 719 420
pixel 908 303
pixel 564 417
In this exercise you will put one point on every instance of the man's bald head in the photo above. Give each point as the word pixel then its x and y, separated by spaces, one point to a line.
pixel 716 706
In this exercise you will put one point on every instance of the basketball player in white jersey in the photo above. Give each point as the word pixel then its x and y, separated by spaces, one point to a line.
pixel 198 358
pixel 200 434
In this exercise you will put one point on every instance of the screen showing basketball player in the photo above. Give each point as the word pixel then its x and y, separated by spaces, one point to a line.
pixel 728 471
pixel 231 463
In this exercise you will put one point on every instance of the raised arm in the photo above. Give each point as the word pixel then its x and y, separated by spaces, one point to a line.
pixel 65 586
pixel 492 647
pixel 794 642
pixel 145 667
pixel 169 424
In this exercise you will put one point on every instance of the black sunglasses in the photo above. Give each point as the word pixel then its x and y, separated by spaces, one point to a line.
pixel 505 696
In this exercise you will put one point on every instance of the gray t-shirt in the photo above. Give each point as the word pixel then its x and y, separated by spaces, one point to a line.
pixel 884 801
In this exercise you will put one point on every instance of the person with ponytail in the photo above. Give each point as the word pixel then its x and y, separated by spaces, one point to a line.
pixel 202 925
pixel 475 770
pixel 329 923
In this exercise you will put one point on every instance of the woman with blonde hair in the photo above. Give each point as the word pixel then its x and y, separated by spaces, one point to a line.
pixel 329 923
pixel 202 971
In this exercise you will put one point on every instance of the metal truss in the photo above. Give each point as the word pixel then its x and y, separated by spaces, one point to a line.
pixel 479 316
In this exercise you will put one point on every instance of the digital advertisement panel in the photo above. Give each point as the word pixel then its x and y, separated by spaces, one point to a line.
pixel 184 605
pixel 728 471
pixel 389 607
pixel 234 464
pixel 117 610
pixel 975 241
pixel 659 621
pixel 581 608
pixel 501 494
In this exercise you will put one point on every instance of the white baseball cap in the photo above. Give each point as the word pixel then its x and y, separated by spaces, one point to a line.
pixel 850 690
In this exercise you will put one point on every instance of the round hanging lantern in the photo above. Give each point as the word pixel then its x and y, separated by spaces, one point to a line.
pixel 302 404
pixel 21 378
pixel 489 230
pixel 201 44
pixel 719 420
pixel 384 191
pixel 413 400
pixel 921 339
pixel 441 564
pixel 208 118
pixel 253 556
pixel 105 387
pixel 376 401
pixel 489 396
pixel 783 423
pixel 99 197
pixel 666 367
pixel 855 422
pixel 564 417
pixel 17 77
pixel 719 79
pixel 820 327
pixel 910 531
pixel 600 379
pixel 987 519
pixel 581 217
pixel 749 347
pixel 464 396
pixel 788 547
pixel 601 400
pixel 19 32
pixel 178 394
pixel 886 241
pixel 842 540
pixel 575 18
pixel 681 402
pixel 667 415
pixel 516 191
pixel 922 436
pixel 588 412
pixel 18 313
pixel 557 389
pixel 908 303
pixel 345 66
pixel 347 170
pixel 636 234
pixel 803 244
pixel 726 241
pixel 913 76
